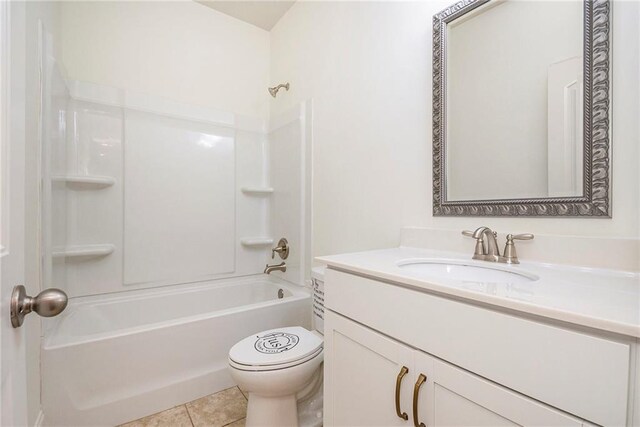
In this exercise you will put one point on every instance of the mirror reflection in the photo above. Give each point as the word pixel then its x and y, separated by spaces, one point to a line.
pixel 514 101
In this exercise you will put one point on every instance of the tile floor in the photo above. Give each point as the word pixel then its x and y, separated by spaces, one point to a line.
pixel 225 408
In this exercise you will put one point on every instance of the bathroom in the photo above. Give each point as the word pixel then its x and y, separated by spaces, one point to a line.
pixel 279 213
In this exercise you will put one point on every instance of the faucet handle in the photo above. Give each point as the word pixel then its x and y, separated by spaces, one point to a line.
pixel 524 236
pixel 467 233
pixel 282 249
pixel 510 254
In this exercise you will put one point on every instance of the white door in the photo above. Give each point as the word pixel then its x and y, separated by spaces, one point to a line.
pixel 362 370
pixel 13 394
pixel 564 128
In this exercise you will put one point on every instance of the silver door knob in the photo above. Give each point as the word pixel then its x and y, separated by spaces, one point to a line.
pixel 47 303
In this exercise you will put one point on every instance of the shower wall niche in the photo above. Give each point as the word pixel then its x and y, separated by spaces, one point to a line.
pixel 140 191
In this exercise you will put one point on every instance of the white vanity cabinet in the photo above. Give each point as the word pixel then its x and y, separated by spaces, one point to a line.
pixel 482 367
pixel 361 379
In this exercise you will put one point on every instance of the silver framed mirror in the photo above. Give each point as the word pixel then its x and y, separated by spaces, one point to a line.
pixel 538 154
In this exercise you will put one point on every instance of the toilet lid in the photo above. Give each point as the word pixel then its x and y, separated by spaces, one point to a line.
pixel 275 347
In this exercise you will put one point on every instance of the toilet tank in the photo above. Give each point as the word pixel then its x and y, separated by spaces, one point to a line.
pixel 317 285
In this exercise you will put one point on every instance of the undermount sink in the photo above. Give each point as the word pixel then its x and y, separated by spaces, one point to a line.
pixel 464 271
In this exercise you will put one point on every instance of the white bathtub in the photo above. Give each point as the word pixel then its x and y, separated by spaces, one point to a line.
pixel 114 358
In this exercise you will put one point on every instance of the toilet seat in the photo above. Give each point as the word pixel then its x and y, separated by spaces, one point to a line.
pixel 253 368
pixel 275 349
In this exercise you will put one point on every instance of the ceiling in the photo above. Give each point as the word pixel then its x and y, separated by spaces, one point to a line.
pixel 263 14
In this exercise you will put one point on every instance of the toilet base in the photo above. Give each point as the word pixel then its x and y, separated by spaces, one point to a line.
pixel 272 411
pixel 310 411
pixel 310 402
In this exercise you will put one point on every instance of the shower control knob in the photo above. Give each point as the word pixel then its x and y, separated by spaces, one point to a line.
pixel 47 303
pixel 282 249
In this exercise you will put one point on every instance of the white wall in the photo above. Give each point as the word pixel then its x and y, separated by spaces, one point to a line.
pixel 178 50
pixel 367 66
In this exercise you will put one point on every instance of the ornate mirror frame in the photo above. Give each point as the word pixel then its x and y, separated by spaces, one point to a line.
pixel 595 201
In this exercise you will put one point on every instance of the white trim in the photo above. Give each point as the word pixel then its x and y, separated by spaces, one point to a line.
pixel 14 409
pixel 4 137
pixel 5 52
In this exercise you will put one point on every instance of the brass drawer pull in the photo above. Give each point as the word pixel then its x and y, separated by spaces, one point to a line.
pixel 416 391
pixel 401 375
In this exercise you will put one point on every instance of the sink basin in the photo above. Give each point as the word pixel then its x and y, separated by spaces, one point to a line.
pixel 464 271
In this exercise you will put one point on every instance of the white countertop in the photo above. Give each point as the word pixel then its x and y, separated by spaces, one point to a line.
pixel 607 300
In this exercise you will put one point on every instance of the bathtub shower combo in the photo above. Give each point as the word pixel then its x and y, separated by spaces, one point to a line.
pixel 158 219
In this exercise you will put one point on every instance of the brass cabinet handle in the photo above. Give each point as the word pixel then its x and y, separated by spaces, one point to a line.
pixel 401 375
pixel 416 391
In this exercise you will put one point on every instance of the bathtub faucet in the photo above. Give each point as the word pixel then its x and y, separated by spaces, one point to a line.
pixel 278 267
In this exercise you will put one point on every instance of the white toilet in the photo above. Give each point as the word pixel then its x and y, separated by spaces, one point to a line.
pixel 281 369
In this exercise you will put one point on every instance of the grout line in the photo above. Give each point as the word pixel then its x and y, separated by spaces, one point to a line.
pixel 243 395
pixel 189 414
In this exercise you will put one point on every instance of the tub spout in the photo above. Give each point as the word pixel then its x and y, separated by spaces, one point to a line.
pixel 278 267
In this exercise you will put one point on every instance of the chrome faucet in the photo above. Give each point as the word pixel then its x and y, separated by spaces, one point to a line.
pixel 487 245
pixel 277 267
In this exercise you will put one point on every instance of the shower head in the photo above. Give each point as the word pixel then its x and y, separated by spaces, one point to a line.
pixel 274 90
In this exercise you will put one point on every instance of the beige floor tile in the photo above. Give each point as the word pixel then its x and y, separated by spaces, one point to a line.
pixel 174 417
pixel 239 423
pixel 218 410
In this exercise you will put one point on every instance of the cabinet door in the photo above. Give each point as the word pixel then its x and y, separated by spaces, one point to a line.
pixel 361 372
pixel 460 398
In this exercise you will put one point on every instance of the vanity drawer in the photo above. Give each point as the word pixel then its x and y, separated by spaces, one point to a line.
pixel 579 373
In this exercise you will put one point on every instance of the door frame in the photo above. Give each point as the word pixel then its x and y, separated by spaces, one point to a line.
pixel 13 382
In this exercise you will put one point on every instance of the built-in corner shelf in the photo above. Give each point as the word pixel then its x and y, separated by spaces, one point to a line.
pixel 88 181
pixel 257 191
pixel 83 251
pixel 256 241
